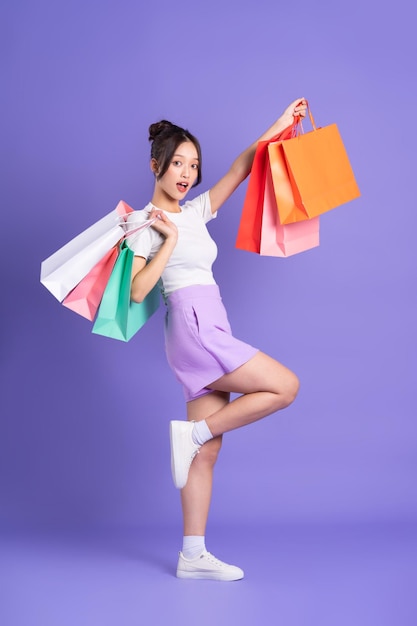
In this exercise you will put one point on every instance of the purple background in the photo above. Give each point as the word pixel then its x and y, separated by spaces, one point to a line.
pixel 84 419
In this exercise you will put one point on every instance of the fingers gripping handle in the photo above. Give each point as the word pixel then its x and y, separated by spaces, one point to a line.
pixel 298 122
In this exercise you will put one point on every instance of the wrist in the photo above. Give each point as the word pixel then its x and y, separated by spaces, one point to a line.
pixel 283 122
pixel 171 239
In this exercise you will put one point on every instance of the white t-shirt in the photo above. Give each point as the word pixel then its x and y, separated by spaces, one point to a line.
pixel 195 252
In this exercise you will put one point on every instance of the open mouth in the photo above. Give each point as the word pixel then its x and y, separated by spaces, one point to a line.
pixel 182 187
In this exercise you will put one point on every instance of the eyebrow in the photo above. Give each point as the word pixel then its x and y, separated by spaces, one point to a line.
pixel 181 155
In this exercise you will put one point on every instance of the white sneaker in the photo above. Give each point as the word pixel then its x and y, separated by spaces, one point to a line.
pixel 183 451
pixel 206 566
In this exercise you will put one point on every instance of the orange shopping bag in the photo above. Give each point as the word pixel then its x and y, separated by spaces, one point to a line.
pixel 249 231
pixel 311 173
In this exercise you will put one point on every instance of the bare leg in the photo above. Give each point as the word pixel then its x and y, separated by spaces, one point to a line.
pixel 266 385
pixel 196 495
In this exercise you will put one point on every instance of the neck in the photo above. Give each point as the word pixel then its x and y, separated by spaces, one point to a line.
pixel 162 201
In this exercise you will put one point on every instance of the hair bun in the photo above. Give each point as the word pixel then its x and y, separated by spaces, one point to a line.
pixel 158 128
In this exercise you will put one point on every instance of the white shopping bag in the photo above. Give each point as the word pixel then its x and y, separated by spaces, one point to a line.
pixel 64 269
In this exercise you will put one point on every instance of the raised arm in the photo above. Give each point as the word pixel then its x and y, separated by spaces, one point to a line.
pixel 241 167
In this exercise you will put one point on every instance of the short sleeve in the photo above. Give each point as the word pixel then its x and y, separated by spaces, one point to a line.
pixel 141 243
pixel 145 242
pixel 202 205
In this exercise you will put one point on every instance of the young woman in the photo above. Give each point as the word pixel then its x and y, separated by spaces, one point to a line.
pixel 207 360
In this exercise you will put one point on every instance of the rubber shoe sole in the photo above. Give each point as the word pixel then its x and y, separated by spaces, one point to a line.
pixel 183 451
pixel 207 567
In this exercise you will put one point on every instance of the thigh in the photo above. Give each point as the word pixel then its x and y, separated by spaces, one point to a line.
pixel 260 373
pixel 206 405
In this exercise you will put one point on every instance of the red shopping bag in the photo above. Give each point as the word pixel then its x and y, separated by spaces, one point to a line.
pixel 250 225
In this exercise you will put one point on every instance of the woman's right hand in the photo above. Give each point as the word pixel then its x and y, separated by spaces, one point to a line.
pixel 146 275
pixel 163 224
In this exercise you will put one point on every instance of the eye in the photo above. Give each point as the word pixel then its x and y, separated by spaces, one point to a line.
pixel 195 166
pixel 176 163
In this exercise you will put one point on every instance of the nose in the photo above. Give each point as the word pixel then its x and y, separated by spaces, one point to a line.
pixel 185 171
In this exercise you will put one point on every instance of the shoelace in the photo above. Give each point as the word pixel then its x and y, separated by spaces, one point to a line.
pixel 213 559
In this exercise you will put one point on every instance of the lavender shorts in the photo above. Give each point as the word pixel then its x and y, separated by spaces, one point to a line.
pixel 199 343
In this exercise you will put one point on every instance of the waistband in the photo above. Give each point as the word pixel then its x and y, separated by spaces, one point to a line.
pixel 193 292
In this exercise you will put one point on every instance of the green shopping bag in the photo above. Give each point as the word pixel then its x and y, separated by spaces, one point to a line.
pixel 118 317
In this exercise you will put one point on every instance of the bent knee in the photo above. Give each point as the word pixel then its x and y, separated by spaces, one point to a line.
pixel 292 390
pixel 289 391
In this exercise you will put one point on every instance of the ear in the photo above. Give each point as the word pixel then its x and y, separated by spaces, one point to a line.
pixel 154 166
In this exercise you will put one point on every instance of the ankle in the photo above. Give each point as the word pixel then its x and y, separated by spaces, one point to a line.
pixel 201 433
pixel 193 546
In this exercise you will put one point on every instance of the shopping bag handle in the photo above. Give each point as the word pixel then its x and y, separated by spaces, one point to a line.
pixel 287 133
pixel 141 226
pixel 298 122
pixel 295 128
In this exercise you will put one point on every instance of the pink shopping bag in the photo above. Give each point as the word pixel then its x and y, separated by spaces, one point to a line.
pixel 85 298
pixel 282 240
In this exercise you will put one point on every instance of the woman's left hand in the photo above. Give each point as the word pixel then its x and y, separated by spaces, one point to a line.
pixel 298 108
pixel 241 167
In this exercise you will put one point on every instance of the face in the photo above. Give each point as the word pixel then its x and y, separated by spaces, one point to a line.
pixel 181 173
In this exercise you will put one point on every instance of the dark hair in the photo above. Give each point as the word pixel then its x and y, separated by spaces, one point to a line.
pixel 166 138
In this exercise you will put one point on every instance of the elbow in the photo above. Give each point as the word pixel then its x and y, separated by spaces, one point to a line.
pixel 137 291
pixel 137 295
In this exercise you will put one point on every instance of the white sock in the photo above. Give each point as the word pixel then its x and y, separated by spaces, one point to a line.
pixel 193 546
pixel 201 433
